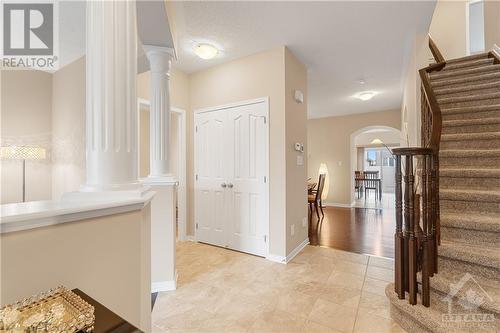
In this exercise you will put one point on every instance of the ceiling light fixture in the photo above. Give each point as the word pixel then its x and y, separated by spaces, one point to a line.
pixel 205 51
pixel 365 95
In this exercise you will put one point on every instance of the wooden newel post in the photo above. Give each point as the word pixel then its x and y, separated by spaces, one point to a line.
pixel 398 236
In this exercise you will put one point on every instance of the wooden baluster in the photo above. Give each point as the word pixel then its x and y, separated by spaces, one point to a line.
pixel 412 241
pixel 436 237
pixel 398 237
pixel 425 242
pixel 406 226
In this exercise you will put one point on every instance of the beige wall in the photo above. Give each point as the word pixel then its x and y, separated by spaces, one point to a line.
pixel 68 128
pixel 88 255
pixel 491 23
pixel 26 104
pixel 296 131
pixel 259 75
pixel 329 141
pixel 448 28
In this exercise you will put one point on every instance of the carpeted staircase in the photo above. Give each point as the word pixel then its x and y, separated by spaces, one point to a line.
pixel 468 93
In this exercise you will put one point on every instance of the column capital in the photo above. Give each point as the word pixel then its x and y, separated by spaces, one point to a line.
pixel 151 50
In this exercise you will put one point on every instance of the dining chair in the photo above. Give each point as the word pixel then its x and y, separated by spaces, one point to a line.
pixel 358 183
pixel 371 182
pixel 314 199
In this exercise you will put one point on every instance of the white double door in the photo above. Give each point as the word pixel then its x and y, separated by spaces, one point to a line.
pixel 231 159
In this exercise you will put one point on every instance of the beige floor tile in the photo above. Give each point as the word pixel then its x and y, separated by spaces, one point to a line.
pixel 380 273
pixel 312 327
pixel 332 315
pixel 346 280
pixel 369 323
pixel 349 256
pixel 381 262
pixel 375 286
pixel 342 296
pixel 350 267
pixel 278 321
pixel 375 304
pixel 319 291
pixel 296 303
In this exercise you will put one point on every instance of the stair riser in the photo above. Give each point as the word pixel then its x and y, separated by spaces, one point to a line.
pixel 466 236
pixel 477 128
pixel 463 267
pixel 476 162
pixel 455 74
pixel 471 144
pixel 407 322
pixel 467 65
pixel 469 183
pixel 439 304
pixel 454 206
pixel 458 82
pixel 472 103
pixel 469 92
pixel 470 115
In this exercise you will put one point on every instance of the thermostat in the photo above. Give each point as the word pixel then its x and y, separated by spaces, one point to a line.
pixel 299 147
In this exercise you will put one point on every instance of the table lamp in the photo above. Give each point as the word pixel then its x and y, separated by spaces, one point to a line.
pixel 23 153
pixel 380 142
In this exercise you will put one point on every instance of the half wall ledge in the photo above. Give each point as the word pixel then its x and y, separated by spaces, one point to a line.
pixel 37 214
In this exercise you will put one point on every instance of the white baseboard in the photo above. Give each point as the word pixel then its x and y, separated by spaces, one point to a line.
pixel 190 238
pixel 288 258
pixel 164 285
pixel 337 204
pixel 297 250
pixel 276 258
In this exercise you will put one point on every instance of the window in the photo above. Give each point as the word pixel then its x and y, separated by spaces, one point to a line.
pixel 475 24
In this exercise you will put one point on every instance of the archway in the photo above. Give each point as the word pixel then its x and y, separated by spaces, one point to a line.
pixel 361 144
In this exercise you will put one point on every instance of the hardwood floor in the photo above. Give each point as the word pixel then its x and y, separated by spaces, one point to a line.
pixel 359 230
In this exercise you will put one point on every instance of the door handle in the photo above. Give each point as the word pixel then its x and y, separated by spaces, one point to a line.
pixel 230 185
pixel 223 185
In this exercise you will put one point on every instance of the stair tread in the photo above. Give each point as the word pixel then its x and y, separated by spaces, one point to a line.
pixel 468 58
pixel 471 221
pixel 470 122
pixel 493 153
pixel 468 63
pixel 471 253
pixel 428 317
pixel 457 81
pixel 468 98
pixel 468 87
pixel 469 173
pixel 470 136
pixel 463 71
pixel 443 281
pixel 467 109
pixel 469 195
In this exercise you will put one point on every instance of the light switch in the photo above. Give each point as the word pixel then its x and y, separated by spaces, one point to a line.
pixel 340 163
pixel 300 160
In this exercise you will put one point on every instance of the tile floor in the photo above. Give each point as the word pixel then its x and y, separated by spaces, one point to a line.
pixel 321 290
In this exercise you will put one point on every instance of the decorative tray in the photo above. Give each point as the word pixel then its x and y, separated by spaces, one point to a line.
pixel 57 310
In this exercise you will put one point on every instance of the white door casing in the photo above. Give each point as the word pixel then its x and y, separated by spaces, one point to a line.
pixel 231 176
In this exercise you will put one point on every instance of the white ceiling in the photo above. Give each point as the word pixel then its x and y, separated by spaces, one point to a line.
pixel 341 43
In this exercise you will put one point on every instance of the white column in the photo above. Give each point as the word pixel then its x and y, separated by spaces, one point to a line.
pixel 160 59
pixel 111 61
pixel 163 274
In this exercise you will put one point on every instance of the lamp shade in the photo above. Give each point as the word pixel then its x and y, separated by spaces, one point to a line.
pixel 323 169
pixel 23 153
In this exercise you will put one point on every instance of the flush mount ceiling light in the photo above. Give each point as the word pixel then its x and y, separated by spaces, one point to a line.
pixel 365 95
pixel 205 51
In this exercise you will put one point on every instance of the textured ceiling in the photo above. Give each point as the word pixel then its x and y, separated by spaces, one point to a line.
pixel 341 43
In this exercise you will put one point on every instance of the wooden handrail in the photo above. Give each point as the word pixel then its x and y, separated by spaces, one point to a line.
pixel 435 51
pixel 417 203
